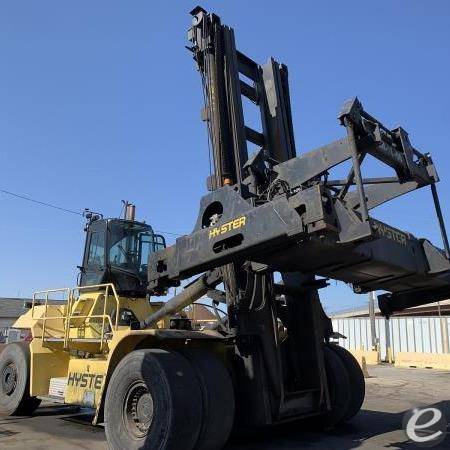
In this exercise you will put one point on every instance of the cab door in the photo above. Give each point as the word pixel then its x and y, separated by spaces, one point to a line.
pixel 94 266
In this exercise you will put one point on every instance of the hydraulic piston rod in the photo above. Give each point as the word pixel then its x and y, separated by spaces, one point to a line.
pixel 189 295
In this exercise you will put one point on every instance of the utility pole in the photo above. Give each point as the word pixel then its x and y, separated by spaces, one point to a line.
pixel 444 330
pixel 373 330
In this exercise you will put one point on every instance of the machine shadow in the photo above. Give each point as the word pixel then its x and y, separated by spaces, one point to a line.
pixel 308 433
pixel 56 410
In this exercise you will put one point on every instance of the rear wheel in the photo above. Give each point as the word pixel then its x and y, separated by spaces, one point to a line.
pixel 357 382
pixel 15 396
pixel 339 388
pixel 153 401
pixel 217 396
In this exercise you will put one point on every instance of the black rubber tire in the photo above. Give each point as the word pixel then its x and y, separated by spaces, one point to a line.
pixel 15 399
pixel 175 395
pixel 339 388
pixel 357 382
pixel 218 398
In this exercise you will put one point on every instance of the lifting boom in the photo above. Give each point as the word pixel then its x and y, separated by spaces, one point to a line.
pixel 278 212
pixel 282 212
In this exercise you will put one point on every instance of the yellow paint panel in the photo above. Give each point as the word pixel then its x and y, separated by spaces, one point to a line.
pixel 46 363
pixel 85 380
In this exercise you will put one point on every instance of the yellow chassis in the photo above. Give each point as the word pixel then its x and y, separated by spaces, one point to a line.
pixel 82 341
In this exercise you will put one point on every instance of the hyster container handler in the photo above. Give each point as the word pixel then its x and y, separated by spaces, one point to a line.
pixel 271 231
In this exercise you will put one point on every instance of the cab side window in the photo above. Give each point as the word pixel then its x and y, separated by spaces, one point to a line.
pixel 159 243
pixel 96 255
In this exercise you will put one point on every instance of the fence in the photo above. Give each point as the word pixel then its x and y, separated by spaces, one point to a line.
pixel 401 334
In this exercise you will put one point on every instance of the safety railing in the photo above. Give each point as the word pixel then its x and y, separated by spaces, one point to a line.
pixel 70 315
pixel 36 302
pixel 110 291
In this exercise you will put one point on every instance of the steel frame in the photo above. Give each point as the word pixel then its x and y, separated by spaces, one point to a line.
pixel 278 212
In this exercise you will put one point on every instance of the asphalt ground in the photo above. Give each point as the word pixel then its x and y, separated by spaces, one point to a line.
pixel 390 393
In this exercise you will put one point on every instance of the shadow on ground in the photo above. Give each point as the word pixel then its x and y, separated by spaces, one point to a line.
pixel 385 428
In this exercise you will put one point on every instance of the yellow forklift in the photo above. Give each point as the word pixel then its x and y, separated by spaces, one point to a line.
pixel 89 337
pixel 270 233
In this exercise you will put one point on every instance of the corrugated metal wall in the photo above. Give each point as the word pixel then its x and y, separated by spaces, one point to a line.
pixel 406 334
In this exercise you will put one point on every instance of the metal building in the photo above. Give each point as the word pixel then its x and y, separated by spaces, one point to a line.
pixel 420 330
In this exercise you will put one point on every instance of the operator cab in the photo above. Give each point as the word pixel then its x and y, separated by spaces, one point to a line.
pixel 117 251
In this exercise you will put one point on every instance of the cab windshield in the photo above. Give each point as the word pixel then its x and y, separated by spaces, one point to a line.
pixel 130 244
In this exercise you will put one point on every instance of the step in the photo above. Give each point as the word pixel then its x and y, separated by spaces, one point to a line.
pixel 51 399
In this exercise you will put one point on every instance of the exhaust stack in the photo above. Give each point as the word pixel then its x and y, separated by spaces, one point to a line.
pixel 130 211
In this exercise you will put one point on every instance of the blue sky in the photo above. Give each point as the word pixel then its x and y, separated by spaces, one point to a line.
pixel 99 102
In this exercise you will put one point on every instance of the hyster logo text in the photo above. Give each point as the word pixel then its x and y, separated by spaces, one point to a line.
pixel 227 227
pixel 391 233
pixel 85 380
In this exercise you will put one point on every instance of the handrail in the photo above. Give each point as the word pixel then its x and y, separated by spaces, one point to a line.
pixel 71 293
pixel 49 291
pixel 107 286
pixel 44 318
pixel 95 316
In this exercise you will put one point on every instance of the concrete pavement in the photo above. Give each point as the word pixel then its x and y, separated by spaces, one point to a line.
pixel 390 392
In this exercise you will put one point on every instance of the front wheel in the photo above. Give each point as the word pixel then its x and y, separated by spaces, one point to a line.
pixel 218 398
pixel 339 389
pixel 357 382
pixel 153 402
pixel 15 399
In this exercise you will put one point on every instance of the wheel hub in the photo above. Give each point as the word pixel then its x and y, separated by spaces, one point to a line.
pixel 9 379
pixel 139 410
